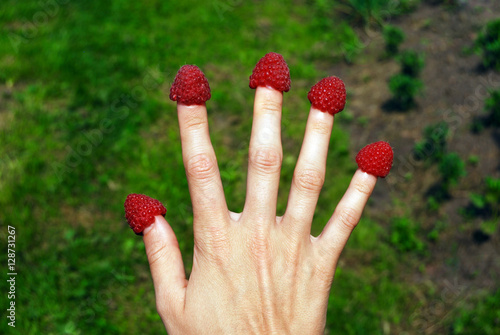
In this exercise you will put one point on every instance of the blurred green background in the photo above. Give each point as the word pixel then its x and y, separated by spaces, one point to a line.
pixel 85 120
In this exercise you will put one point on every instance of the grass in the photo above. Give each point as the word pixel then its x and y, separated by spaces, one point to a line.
pixel 85 120
pixel 89 122
pixel 483 314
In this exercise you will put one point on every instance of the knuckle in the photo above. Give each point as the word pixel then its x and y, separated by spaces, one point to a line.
pixel 214 243
pixel 260 250
pixel 349 218
pixel 270 106
pixel 291 252
pixel 156 252
pixel 309 180
pixel 258 243
pixel 201 167
pixel 362 188
pixel 266 160
pixel 195 122
pixel 321 128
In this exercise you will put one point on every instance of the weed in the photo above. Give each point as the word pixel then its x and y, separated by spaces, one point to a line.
pixel 404 235
pixel 434 144
pixel 452 168
pixel 477 125
pixel 492 107
pixel 487 203
pixel 411 63
pixel 439 226
pixel 448 3
pixel 434 202
pixel 473 160
pixel 487 45
pixel 369 12
pixel 490 227
pixel 404 88
pixel 393 37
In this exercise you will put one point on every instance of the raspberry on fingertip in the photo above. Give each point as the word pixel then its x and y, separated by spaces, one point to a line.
pixel 376 159
pixel 328 95
pixel 140 211
pixel 190 86
pixel 271 70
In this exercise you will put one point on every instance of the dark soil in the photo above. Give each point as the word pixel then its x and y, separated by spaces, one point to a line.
pixel 464 260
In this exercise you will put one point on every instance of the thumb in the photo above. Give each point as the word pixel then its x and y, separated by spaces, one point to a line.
pixel 165 262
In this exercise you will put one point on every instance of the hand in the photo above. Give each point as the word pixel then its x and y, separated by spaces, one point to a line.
pixel 253 272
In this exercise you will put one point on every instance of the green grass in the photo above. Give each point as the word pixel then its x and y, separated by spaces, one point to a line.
pixel 478 316
pixel 90 121
pixel 85 120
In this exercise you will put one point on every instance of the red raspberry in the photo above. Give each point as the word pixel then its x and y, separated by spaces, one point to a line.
pixel 376 159
pixel 328 95
pixel 190 86
pixel 271 70
pixel 140 211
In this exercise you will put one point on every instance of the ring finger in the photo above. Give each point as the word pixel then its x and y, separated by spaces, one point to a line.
pixel 309 174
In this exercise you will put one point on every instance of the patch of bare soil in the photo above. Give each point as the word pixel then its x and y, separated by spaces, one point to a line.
pixel 459 265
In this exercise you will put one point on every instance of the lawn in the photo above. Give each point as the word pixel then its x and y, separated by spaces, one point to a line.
pixel 85 119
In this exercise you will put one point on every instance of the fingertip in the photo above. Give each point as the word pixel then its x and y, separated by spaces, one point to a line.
pixel 365 178
pixel 191 106
pixel 348 212
pixel 359 190
pixel 152 226
pixel 164 257
pixel 188 112
pixel 160 229
pixel 319 113
pixel 268 93
pixel 147 230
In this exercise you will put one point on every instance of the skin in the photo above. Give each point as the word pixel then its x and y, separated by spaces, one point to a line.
pixel 253 272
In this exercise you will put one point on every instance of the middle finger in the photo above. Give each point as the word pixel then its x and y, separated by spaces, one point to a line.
pixel 265 155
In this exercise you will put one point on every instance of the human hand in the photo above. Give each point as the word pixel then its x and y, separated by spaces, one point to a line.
pixel 253 272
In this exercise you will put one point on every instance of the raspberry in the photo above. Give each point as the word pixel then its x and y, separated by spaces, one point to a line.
pixel 328 95
pixel 190 86
pixel 271 70
pixel 140 211
pixel 376 159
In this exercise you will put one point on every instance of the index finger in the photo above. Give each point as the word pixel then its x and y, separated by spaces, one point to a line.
pixel 190 89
